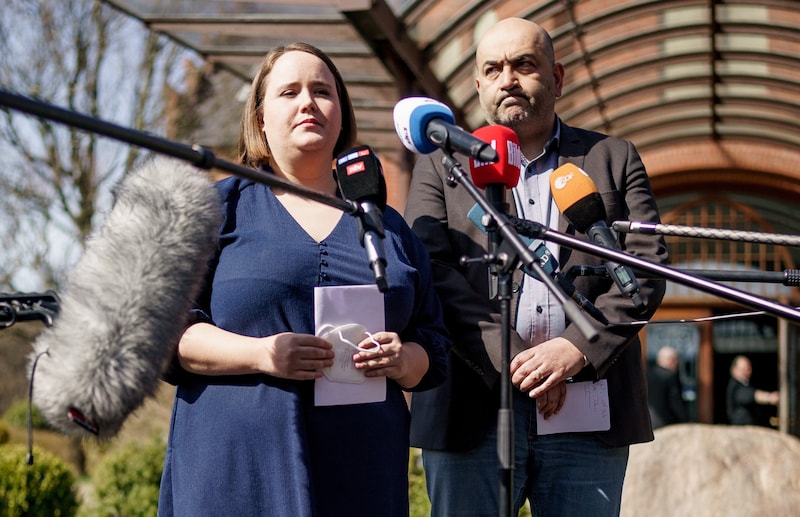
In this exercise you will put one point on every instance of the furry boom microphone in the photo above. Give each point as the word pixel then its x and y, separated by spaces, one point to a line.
pixel 127 300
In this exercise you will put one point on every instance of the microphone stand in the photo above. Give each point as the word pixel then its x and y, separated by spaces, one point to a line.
pixel 205 159
pixel 706 233
pixel 16 307
pixel 510 251
pixel 536 230
pixel 194 154
pixel 787 277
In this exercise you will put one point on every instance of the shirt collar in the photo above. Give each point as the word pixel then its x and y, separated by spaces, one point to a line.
pixel 552 145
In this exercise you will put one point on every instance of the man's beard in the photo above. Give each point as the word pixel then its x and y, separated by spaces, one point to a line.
pixel 519 114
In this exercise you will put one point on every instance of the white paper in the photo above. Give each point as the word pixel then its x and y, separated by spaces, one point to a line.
pixel 585 409
pixel 340 305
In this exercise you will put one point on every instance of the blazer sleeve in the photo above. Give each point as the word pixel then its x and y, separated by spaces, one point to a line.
pixel 618 171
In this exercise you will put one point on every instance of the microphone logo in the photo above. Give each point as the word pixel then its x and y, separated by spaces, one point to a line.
pixel 355 168
pixel 561 181
pixel 514 153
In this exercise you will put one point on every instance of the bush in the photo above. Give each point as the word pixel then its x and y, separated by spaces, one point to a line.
pixel 127 481
pixel 17 415
pixel 419 506
pixel 5 434
pixel 45 488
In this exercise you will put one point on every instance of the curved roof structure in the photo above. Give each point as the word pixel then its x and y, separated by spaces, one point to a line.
pixel 656 72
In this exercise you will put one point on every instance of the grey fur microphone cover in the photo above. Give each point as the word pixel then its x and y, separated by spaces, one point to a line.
pixel 127 299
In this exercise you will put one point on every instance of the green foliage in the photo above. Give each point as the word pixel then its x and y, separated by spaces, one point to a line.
pixel 17 415
pixel 127 481
pixel 45 488
pixel 5 435
pixel 419 506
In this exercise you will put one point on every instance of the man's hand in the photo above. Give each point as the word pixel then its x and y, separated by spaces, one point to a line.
pixel 541 370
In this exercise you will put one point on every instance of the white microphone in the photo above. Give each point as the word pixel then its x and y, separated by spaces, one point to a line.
pixel 127 300
pixel 425 124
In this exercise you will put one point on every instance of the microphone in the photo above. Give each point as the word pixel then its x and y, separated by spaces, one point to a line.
pixel 425 124
pixel 546 260
pixel 360 177
pixel 497 175
pixel 127 300
pixel 577 198
pixel 494 177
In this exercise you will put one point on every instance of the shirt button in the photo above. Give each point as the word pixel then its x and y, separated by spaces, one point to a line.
pixel 531 201
pixel 539 309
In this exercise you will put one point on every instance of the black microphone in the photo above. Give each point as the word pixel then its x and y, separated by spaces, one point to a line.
pixel 360 177
pixel 127 300
pixel 425 124
pixel 579 201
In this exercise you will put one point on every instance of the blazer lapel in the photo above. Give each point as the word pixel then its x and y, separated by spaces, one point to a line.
pixel 571 150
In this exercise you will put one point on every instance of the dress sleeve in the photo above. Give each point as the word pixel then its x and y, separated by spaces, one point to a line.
pixel 426 326
pixel 200 312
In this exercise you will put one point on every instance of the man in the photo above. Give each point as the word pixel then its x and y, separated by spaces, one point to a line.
pixel 743 399
pixel 664 389
pixel 575 474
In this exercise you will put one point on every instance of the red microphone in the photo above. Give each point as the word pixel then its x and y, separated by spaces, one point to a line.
pixel 496 177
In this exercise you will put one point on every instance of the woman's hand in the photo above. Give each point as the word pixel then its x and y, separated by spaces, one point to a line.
pixel 295 356
pixel 406 363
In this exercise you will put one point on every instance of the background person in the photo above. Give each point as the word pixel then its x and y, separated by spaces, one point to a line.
pixel 664 391
pixel 742 399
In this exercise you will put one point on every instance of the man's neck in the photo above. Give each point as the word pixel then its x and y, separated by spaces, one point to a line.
pixel 533 138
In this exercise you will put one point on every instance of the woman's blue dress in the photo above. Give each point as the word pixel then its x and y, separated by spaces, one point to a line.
pixel 256 445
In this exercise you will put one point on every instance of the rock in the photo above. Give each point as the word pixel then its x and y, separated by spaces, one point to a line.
pixel 713 470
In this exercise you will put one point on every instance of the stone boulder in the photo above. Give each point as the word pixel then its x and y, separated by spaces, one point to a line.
pixel 713 470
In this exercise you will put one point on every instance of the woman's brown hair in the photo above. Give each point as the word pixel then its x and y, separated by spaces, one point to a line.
pixel 253 146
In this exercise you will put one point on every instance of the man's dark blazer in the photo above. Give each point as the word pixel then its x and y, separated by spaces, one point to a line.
pixel 457 415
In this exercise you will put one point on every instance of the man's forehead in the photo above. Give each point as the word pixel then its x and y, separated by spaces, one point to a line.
pixel 509 56
pixel 500 45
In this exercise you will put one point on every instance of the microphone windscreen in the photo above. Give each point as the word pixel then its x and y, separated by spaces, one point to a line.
pixel 127 299
pixel 411 118
pixel 577 197
pixel 506 170
pixel 360 176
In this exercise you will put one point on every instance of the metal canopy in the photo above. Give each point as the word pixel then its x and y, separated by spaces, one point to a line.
pixel 655 72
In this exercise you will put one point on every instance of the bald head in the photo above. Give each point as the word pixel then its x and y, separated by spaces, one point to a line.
pixel 518 81
pixel 741 369
pixel 510 30
pixel 667 357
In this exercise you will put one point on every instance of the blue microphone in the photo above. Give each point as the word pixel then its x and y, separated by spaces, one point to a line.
pixel 425 124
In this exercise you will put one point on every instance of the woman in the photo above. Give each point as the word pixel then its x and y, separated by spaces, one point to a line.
pixel 246 437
